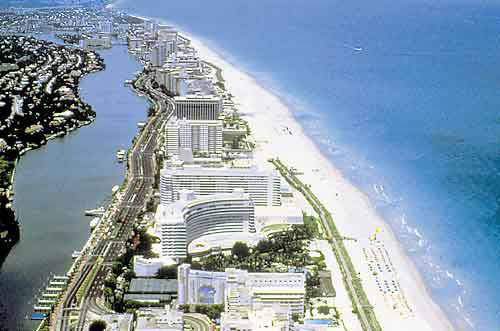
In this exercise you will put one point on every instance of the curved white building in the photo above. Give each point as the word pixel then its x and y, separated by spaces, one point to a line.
pixel 191 218
pixel 220 213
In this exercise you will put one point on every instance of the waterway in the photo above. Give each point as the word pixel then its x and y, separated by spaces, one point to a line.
pixel 56 183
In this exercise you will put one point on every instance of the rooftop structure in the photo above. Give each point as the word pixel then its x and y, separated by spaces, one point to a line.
pixel 261 319
pixel 153 286
pixel 118 322
pixel 156 319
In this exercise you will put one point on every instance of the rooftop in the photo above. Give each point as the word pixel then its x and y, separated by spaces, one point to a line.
pixel 197 170
pixel 153 286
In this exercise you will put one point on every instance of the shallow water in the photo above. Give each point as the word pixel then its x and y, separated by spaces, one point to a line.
pixel 403 97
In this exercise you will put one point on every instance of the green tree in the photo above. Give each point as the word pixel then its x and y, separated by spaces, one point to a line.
pixel 98 325
pixel 145 242
pixel 117 267
pixel 110 282
pixel 129 275
pixel 196 265
pixel 240 250
pixel 264 246
pixel 108 294
pixel 167 272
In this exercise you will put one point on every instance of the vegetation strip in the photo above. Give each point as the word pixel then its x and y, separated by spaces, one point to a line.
pixel 362 306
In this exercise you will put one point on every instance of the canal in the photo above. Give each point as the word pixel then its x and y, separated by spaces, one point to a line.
pixel 56 183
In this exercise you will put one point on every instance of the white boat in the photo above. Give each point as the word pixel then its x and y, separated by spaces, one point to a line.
pixel 120 155
pixel 76 254
pixel 95 212
pixel 115 189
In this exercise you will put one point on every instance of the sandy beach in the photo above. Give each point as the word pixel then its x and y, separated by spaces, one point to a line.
pixel 277 134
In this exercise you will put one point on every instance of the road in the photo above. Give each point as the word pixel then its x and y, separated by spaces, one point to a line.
pixel 112 243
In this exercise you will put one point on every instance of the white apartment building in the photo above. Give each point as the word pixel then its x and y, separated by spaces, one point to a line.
pixel 263 187
pixel 159 55
pixel 167 33
pixel 219 213
pixel 260 319
pixel 198 136
pixel 174 80
pixel 198 107
pixel 161 51
pixel 243 291
pixel 172 228
pixel 191 218
pixel 159 319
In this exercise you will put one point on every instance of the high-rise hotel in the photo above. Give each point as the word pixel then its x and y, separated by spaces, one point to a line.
pixel 198 136
pixel 263 187
pixel 198 107
pixel 193 217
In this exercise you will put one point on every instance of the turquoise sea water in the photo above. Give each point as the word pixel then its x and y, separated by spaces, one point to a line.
pixel 402 96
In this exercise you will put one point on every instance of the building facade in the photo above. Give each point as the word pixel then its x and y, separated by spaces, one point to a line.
pixel 201 137
pixel 242 291
pixel 172 231
pixel 220 213
pixel 198 107
pixel 263 187
pixel 191 218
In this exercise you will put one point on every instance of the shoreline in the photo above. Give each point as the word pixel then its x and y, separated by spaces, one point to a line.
pixel 322 175
pixel 13 235
pixel 244 86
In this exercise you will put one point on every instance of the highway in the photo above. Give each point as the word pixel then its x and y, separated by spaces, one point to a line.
pixel 112 243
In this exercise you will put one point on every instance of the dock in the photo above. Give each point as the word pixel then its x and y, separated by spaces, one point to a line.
pixel 49 297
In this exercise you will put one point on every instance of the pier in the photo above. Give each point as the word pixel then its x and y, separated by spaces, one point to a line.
pixel 49 298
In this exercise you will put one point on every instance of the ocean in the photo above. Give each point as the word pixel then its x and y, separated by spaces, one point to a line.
pixel 404 98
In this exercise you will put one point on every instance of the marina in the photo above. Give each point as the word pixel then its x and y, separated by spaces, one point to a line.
pixel 49 297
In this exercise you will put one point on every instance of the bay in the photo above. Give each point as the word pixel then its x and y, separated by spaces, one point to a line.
pixel 56 183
